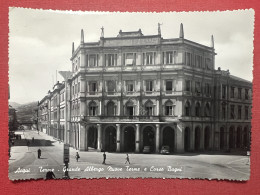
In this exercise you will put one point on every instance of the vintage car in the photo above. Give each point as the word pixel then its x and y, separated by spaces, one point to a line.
pixel 165 150
pixel 147 149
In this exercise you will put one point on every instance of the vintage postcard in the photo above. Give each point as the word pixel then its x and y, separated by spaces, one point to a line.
pixel 130 95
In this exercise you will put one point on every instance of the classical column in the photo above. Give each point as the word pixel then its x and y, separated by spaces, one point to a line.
pixel 226 139
pixel 99 141
pixel 235 138
pixel 118 137
pixel 157 107
pixel 137 108
pixel 192 139
pixel 137 138
pixel 82 136
pixel 157 138
pixel 100 108
pixel 202 139
pixel 179 138
pixel 118 108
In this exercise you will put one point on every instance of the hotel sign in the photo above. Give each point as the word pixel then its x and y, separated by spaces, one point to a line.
pixel 132 42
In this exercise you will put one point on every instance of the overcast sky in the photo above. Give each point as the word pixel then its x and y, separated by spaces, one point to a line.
pixel 40 41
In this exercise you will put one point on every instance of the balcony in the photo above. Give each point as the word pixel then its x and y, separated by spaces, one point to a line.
pixel 121 118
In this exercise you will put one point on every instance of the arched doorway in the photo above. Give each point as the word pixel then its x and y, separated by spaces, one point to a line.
pixel 110 108
pixel 197 138
pixel 92 137
pixel 149 138
pixel 231 137
pixel 169 138
pixel 207 138
pixel 239 136
pixel 129 139
pixel 187 139
pixel 245 138
pixel 110 139
pixel 222 138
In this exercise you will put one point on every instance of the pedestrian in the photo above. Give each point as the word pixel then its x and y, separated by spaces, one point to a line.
pixel 12 142
pixel 127 159
pixel 28 144
pixel 50 175
pixel 77 156
pixel 104 158
pixel 32 139
pixel 39 153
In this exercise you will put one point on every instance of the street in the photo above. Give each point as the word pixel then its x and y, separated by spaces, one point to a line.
pixel 24 163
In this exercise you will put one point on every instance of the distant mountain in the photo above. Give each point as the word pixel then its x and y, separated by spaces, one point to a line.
pixel 26 112
pixel 14 104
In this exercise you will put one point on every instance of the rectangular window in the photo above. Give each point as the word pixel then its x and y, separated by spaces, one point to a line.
pixel 169 57
pixel 239 93
pixel 223 112
pixel 129 86
pixel 198 61
pixel 92 88
pixel 232 92
pixel 188 59
pixel 207 89
pixel 246 94
pixel 246 113
pixel 197 87
pixel 208 64
pixel 149 58
pixel 169 88
pixel 187 85
pixel 111 59
pixel 239 112
pixel 92 60
pixel 130 59
pixel 76 88
pixel 232 112
pixel 224 91
pixel 149 86
pixel 55 115
pixel 111 87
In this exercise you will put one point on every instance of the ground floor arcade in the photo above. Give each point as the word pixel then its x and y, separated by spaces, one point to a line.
pixel 133 137
pixel 180 137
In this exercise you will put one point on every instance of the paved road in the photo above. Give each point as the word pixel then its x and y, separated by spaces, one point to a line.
pixel 142 165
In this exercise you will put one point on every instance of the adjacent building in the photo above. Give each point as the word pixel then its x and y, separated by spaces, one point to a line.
pixel 133 90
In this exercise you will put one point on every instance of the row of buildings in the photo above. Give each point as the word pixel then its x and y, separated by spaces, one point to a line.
pixel 132 90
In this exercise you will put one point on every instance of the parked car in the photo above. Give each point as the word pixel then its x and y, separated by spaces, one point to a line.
pixel 147 149
pixel 165 150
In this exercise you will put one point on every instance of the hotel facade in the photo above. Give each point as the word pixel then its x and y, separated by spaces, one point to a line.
pixel 130 91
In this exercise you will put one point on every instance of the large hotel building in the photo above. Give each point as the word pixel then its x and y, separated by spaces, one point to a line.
pixel 132 90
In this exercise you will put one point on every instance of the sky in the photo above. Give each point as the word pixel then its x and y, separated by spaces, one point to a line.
pixel 40 41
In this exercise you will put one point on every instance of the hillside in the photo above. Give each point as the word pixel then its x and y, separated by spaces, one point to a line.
pixel 14 104
pixel 26 112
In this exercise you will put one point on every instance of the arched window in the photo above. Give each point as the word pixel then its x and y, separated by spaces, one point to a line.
pixel 169 108
pixel 129 108
pixel 92 109
pixel 207 110
pixel 149 108
pixel 187 109
pixel 197 109
pixel 110 109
